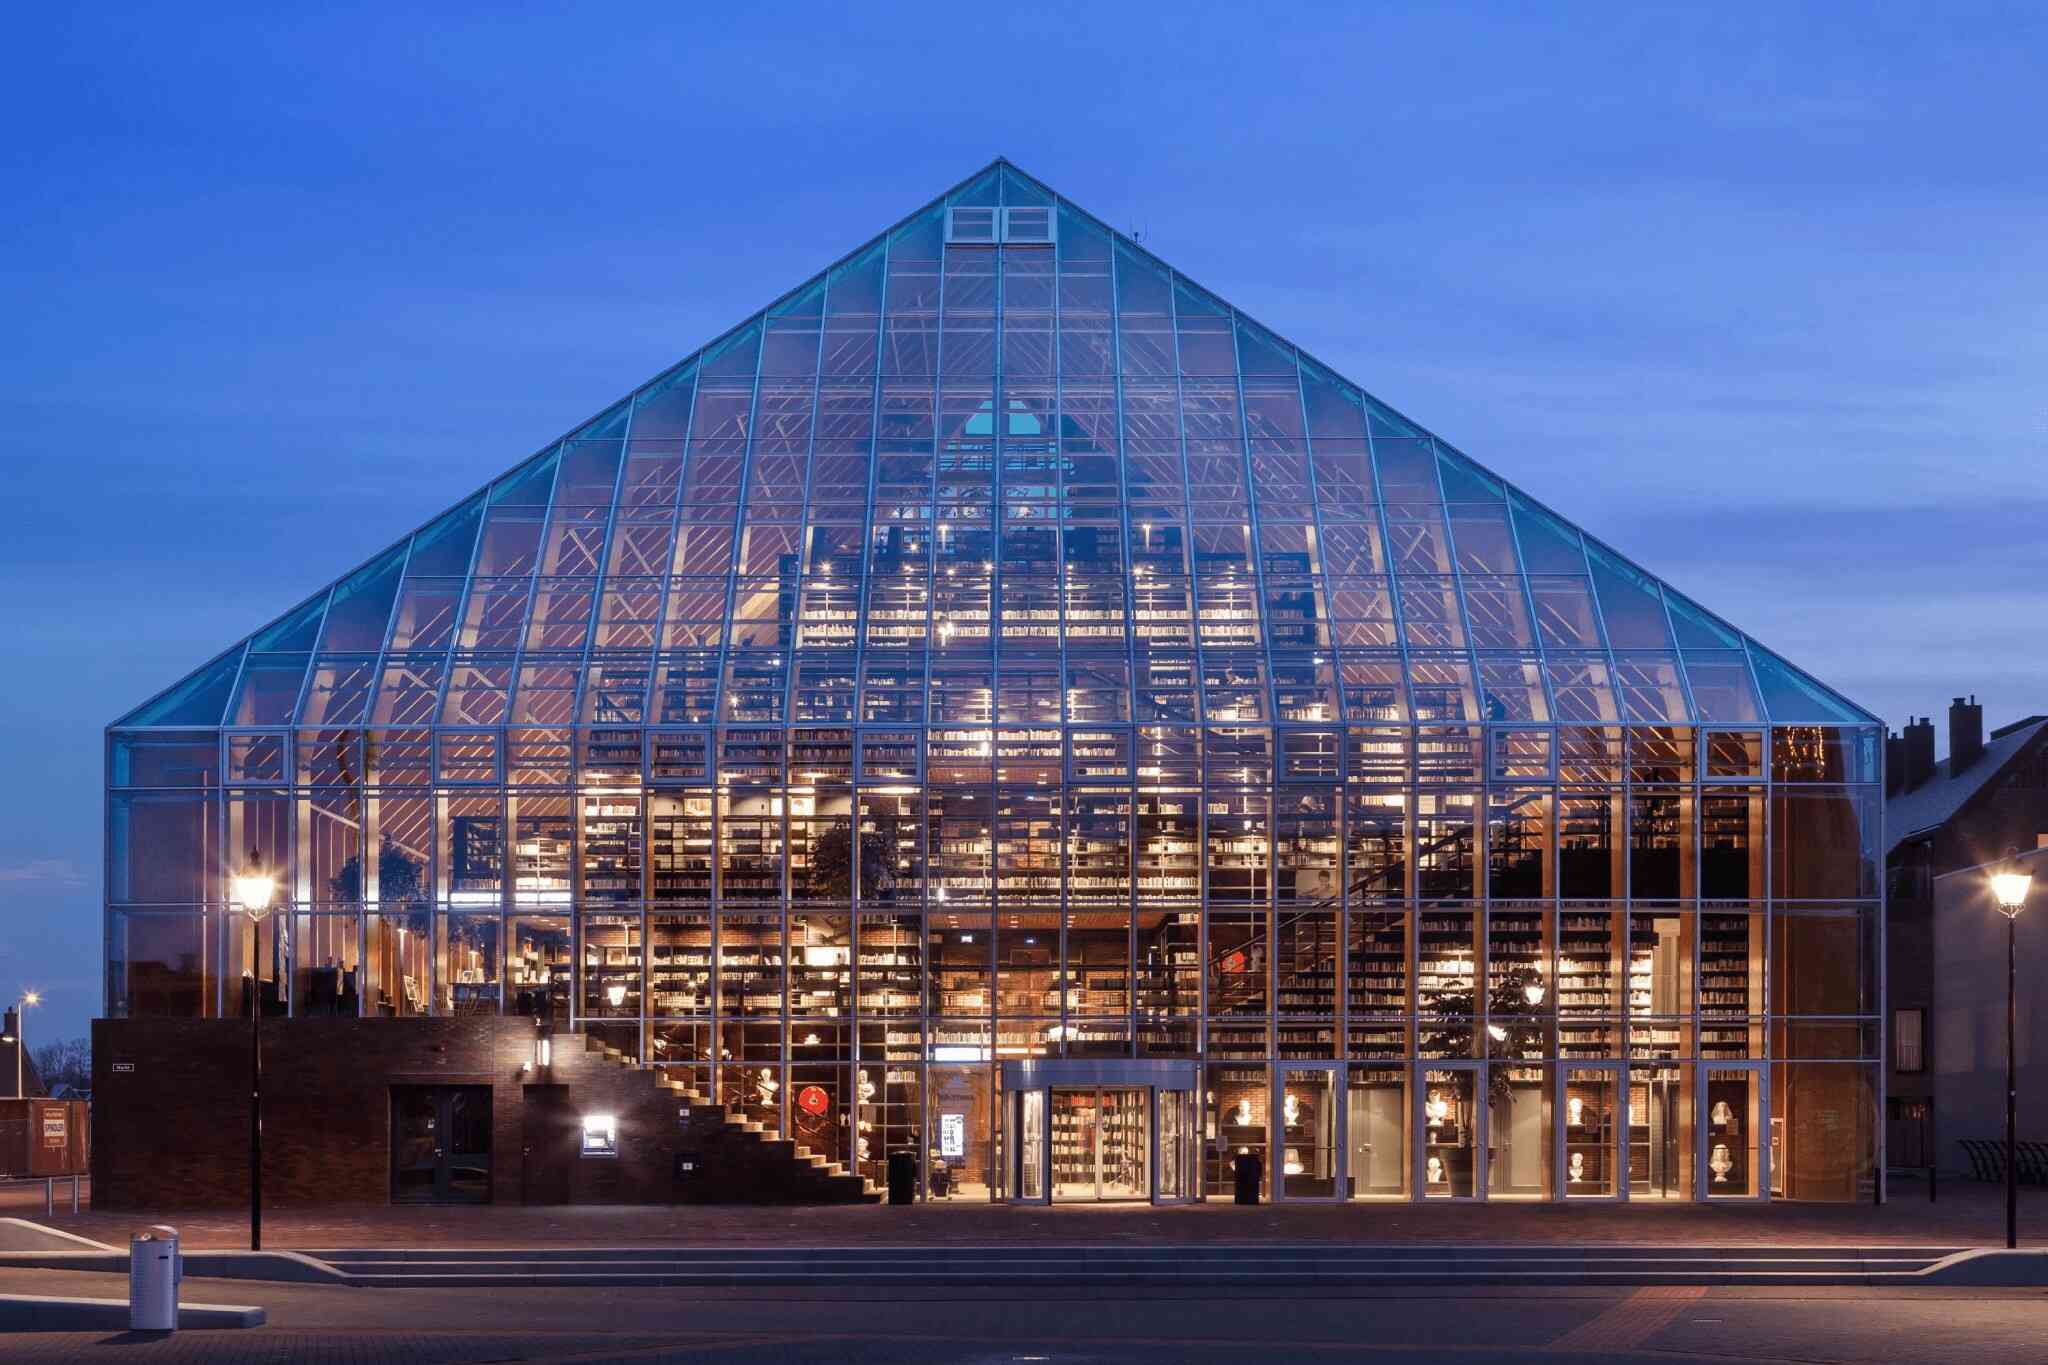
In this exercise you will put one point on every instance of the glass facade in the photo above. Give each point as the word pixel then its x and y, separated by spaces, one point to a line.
pixel 1003 648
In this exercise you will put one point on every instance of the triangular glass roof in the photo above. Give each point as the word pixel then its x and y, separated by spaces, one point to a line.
pixel 827 481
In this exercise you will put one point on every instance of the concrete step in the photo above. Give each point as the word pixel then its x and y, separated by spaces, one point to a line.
pixel 1157 1267
pixel 1287 1253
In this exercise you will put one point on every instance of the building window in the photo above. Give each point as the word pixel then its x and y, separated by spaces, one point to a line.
pixel 1908 1039
pixel 1027 226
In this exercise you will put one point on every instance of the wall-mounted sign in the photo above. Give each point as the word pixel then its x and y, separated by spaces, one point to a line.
pixel 813 1100
pixel 124 1067
pixel 56 1129
pixel 953 1135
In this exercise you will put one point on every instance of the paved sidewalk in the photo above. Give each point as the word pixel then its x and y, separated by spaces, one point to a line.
pixel 1966 1215
pixel 783 1327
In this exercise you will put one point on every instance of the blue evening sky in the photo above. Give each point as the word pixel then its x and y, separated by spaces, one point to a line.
pixel 1755 296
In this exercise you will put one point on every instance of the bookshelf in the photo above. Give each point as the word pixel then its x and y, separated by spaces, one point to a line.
pixel 1377 966
pixel 679 965
pixel 611 848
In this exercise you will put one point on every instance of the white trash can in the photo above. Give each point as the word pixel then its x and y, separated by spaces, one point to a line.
pixel 153 1274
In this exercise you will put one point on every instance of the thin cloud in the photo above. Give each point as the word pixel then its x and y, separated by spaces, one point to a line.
pixel 50 871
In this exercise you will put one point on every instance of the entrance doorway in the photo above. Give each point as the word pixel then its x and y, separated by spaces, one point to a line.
pixel 1101 1144
pixel 440 1144
pixel 1087 1130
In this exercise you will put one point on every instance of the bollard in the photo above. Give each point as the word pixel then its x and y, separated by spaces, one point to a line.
pixel 153 1274
pixel 1247 1171
pixel 902 1177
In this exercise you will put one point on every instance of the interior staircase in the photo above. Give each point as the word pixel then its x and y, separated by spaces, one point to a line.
pixel 735 1159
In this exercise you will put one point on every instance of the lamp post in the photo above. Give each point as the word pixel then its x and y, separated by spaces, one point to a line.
pixel 20 1038
pixel 252 889
pixel 2010 883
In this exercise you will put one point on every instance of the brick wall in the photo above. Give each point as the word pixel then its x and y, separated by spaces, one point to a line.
pixel 172 1124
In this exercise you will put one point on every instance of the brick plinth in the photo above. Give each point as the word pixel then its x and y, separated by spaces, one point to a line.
pixel 171 1127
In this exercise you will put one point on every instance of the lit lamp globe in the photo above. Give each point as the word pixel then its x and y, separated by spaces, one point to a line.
pixel 1533 993
pixel 2010 885
pixel 253 888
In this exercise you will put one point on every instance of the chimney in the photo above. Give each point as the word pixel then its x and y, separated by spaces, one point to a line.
pixel 1965 734
pixel 1918 743
pixel 1894 763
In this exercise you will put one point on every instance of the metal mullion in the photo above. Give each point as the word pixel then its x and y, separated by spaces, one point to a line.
pixel 1201 822
pixel 1321 582
pixel 789 688
pixel 925 1049
pixel 1129 728
pixel 858 727
pixel 1379 504
pixel 313 662
pixel 1272 727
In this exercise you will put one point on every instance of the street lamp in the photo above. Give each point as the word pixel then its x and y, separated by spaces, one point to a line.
pixel 19 1037
pixel 252 889
pixel 2010 882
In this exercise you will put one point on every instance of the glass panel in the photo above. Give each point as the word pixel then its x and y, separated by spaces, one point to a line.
pixel 1376 1130
pixel 1308 1133
pixel 1076 1121
pixel 466 967
pixel 1176 1112
pixel 961 1101
pixel 199 700
pixel 1450 1118
pixel 1592 1117
pixel 1734 1100
pixel 539 968
pixel 1520 1132
pixel 1124 1131
pixel 1235 1124
pixel 1823 1142
pixel 1031 1144
pixel 1660 1132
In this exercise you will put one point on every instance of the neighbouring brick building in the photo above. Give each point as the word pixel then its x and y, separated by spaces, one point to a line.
pixel 1944 822
pixel 1003 705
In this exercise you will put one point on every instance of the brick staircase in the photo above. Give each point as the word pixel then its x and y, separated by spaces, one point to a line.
pixel 737 1160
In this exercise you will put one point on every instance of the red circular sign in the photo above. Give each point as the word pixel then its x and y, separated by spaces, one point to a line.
pixel 812 1100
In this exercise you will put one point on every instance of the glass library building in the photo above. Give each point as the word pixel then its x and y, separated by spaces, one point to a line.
pixel 1003 704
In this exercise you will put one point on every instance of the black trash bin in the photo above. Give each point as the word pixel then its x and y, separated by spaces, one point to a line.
pixel 902 1177
pixel 1247 1169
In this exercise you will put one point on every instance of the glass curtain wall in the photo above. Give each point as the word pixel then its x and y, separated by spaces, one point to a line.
pixel 1001 647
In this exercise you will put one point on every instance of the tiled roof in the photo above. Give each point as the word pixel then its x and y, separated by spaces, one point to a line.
pixel 1935 802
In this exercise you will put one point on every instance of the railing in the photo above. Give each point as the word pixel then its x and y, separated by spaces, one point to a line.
pixel 49 1184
